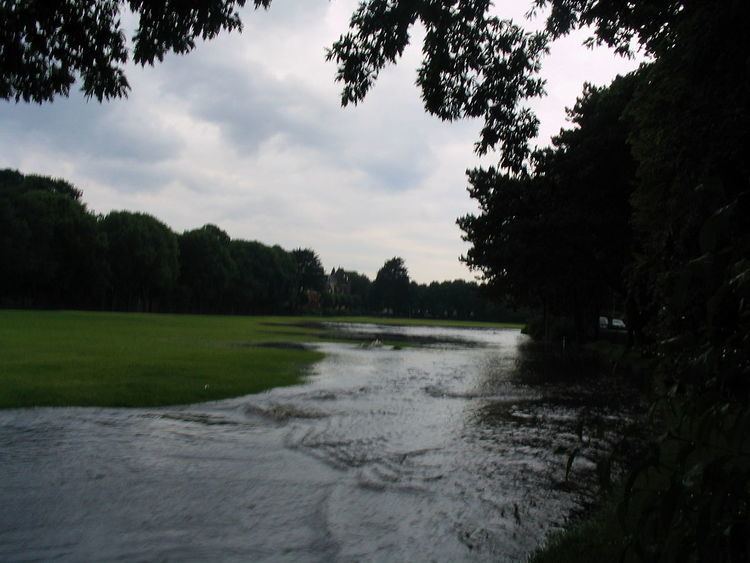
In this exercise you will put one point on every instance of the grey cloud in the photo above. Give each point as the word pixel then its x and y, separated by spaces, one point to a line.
pixel 74 126
pixel 248 103
pixel 395 175
pixel 129 177
pixel 287 13
pixel 252 107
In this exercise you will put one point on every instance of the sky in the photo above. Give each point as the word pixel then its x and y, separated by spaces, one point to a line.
pixel 247 132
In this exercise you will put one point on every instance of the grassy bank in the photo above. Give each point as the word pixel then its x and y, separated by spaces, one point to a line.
pixel 597 538
pixel 66 358
pixel 599 535
pixel 113 359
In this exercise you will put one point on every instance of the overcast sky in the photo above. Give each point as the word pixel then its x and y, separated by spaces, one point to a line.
pixel 246 132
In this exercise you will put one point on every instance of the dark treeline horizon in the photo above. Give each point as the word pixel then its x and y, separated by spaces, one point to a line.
pixel 58 254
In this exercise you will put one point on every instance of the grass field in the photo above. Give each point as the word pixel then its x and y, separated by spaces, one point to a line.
pixel 66 358
pixel 114 359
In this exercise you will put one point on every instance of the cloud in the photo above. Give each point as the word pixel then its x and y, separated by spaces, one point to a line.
pixel 251 107
pixel 76 127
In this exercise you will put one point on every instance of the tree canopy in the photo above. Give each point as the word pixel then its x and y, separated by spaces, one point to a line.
pixel 143 258
pixel 391 287
pixel 206 268
pixel 46 46
pixel 686 274
pixel 310 277
pixel 560 239
pixel 50 248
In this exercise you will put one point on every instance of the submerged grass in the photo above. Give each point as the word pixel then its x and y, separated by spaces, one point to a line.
pixel 423 322
pixel 76 358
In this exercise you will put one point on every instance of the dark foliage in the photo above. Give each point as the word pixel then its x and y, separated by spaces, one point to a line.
pixel 143 260
pixel 206 269
pixel 391 288
pixel 265 278
pixel 559 240
pixel 56 254
pixel 46 46
pixel 474 65
pixel 50 247
pixel 310 276
pixel 688 282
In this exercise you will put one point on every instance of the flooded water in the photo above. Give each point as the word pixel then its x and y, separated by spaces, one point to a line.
pixel 441 452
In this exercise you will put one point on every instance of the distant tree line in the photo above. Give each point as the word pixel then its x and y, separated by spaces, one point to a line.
pixel 57 254
pixel 393 293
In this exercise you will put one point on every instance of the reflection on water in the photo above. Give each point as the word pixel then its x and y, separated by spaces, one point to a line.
pixel 445 452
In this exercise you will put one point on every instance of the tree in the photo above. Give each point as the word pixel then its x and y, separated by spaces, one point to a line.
pixel 265 278
pixel 206 269
pixel 51 251
pixel 513 240
pixel 143 259
pixel 283 279
pixel 474 65
pixel 46 46
pixel 391 287
pixel 310 272
pixel 360 287
pixel 559 239
pixel 691 126
pixel 311 277
pixel 450 299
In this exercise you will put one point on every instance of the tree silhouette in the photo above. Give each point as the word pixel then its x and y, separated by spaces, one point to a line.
pixel 391 287
pixel 559 240
pixel 143 260
pixel 311 277
pixel 51 251
pixel 46 46
pixel 206 268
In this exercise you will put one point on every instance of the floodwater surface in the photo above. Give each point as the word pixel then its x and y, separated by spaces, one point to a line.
pixel 441 452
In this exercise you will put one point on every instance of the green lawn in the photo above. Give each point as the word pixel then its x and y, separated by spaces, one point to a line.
pixel 67 358
pixel 127 359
